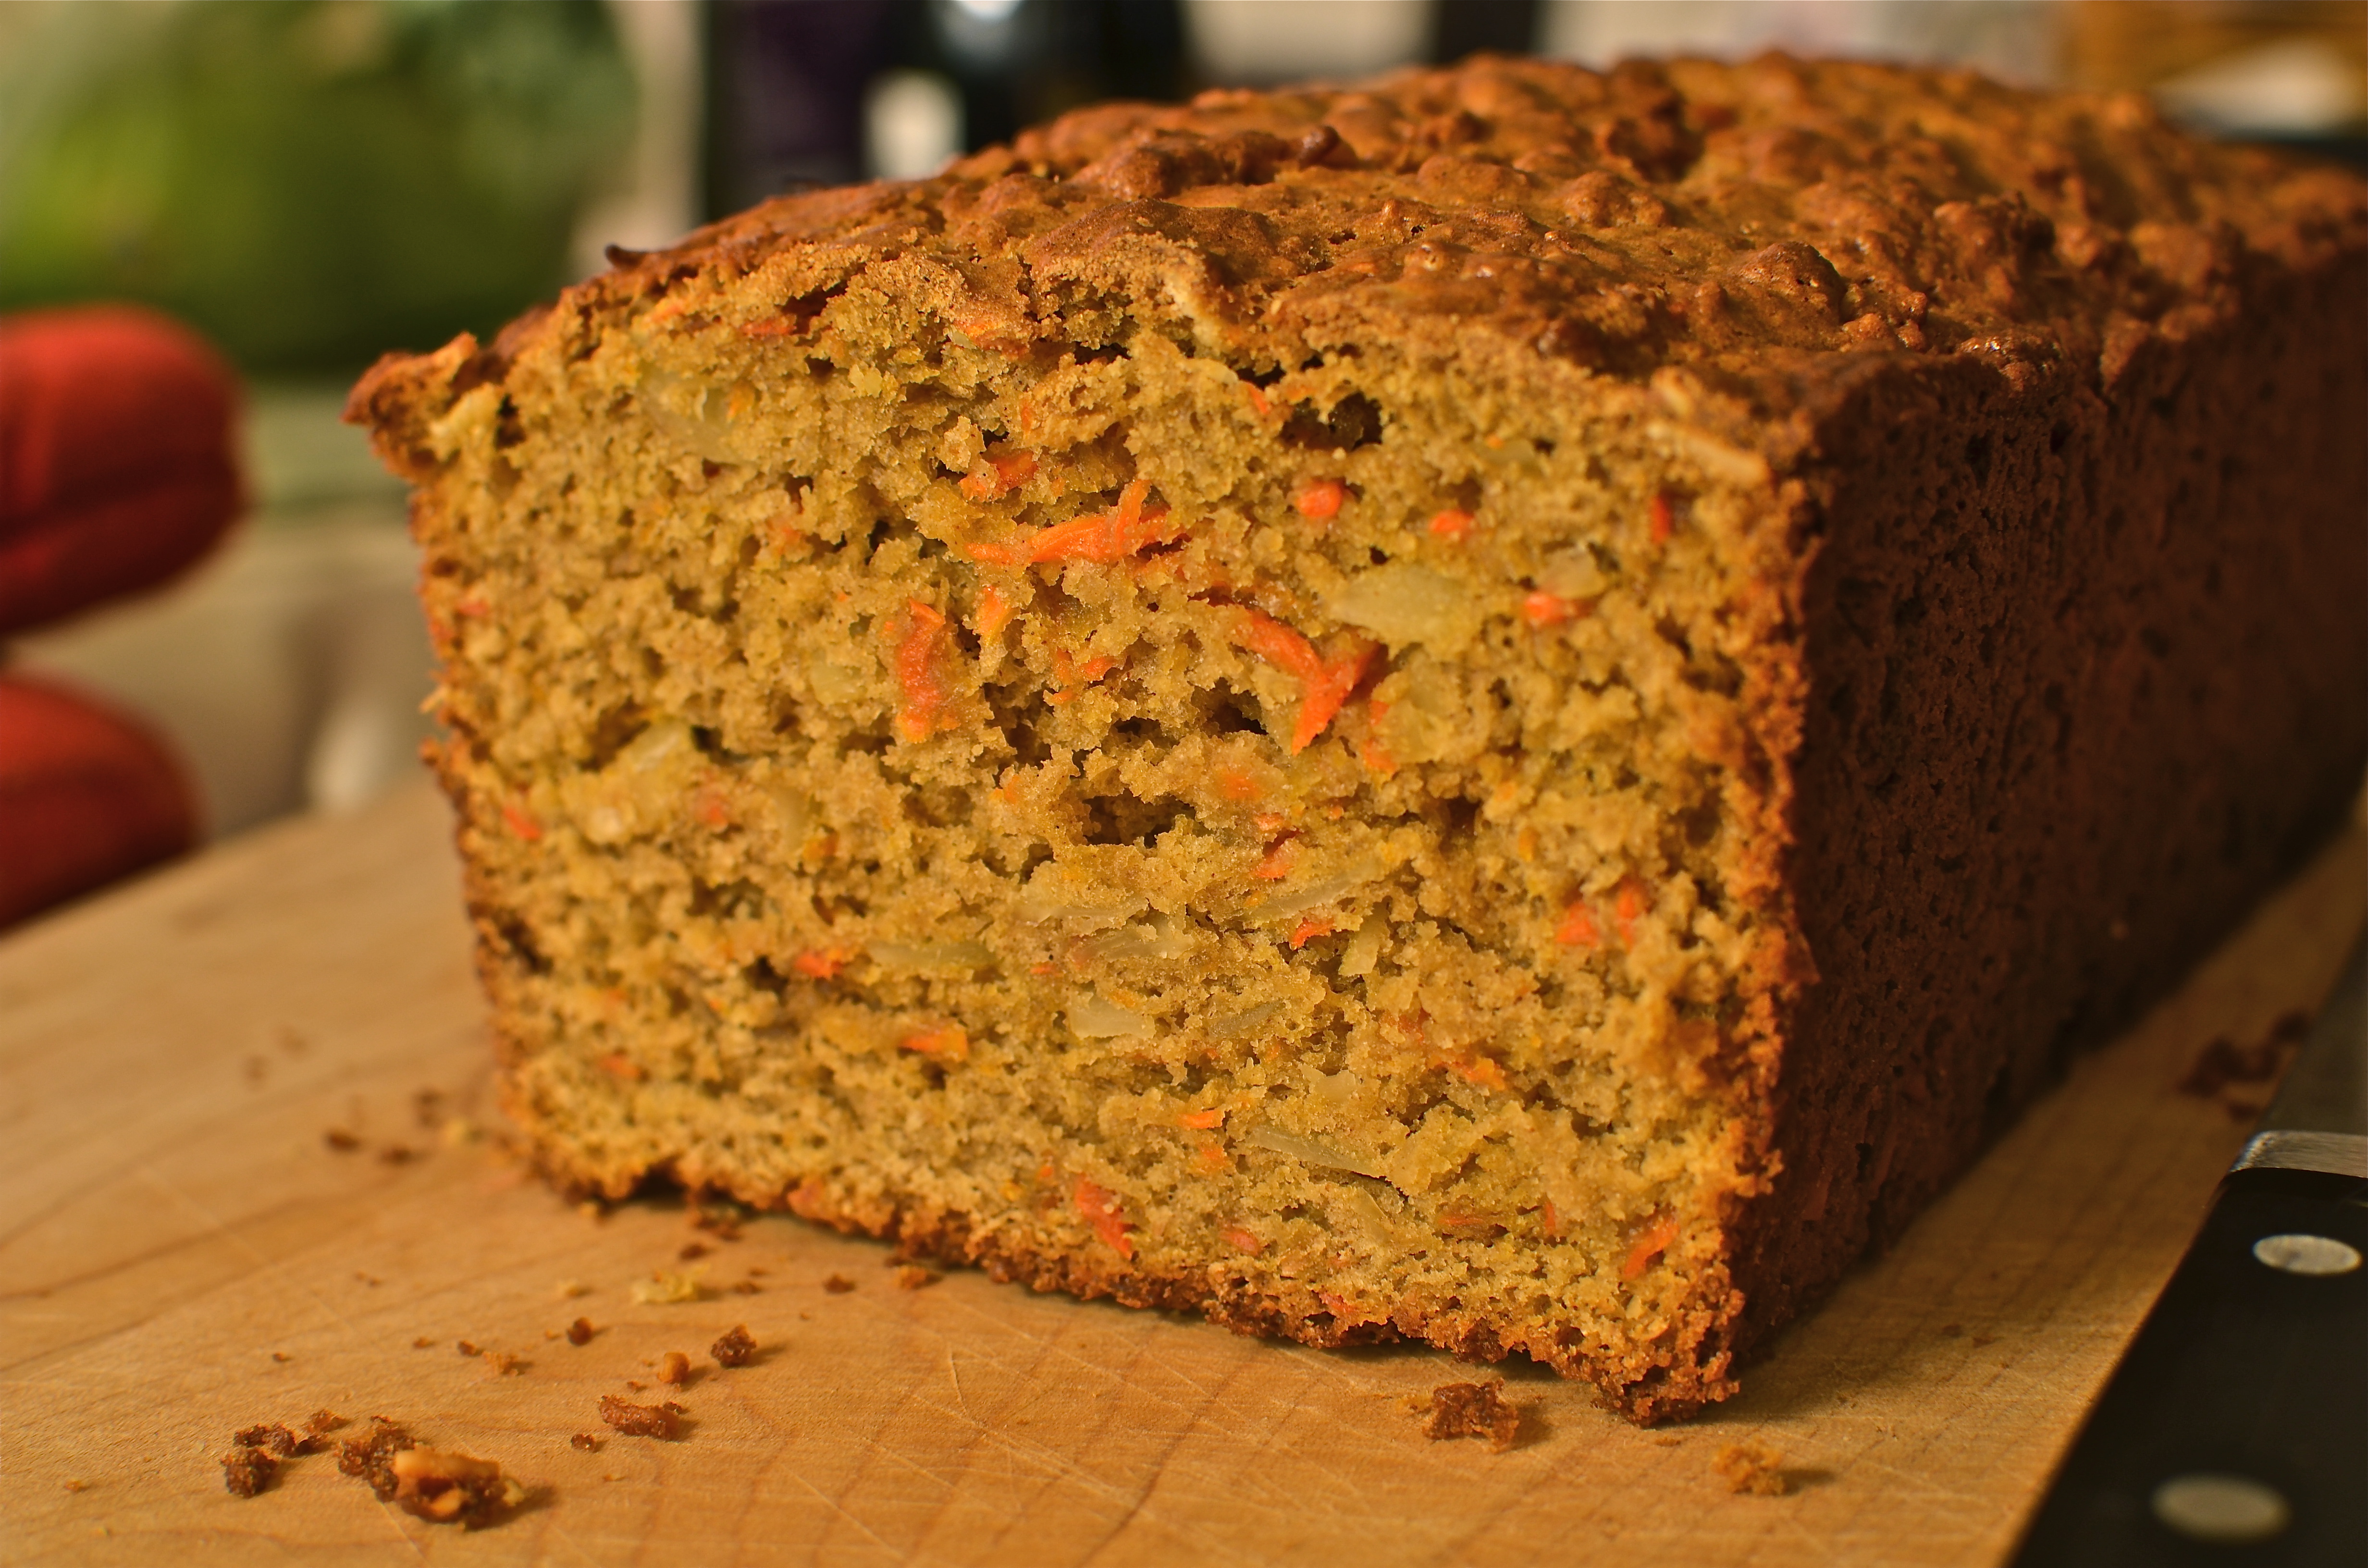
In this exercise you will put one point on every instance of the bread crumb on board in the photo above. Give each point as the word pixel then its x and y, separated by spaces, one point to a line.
pixel 643 1420
pixel 1752 1467
pixel 1471 1410
pixel 435 1484
pixel 733 1348
pixel 667 1288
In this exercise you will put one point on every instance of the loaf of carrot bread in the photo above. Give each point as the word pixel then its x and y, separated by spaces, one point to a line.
pixel 1508 707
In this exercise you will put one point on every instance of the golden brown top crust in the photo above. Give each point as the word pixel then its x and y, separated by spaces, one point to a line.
pixel 1775 212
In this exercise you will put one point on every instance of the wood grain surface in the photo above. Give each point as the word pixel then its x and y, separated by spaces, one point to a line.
pixel 183 1254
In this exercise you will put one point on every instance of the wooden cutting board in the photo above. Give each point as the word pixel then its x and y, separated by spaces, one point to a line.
pixel 182 1253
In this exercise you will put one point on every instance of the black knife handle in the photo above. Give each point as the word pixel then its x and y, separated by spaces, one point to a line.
pixel 2235 1432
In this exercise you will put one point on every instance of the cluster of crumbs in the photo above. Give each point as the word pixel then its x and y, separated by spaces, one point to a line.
pixel 1471 1410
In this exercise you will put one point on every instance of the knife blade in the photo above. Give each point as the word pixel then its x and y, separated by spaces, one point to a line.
pixel 2235 1429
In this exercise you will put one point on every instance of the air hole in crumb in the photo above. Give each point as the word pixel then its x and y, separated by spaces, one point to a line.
pixel 1227 712
pixel 1127 819
pixel 1355 420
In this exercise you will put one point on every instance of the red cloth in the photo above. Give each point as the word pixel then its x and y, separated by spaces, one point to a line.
pixel 116 468
pixel 117 471
pixel 87 795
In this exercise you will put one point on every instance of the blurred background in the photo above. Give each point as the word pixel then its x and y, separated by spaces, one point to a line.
pixel 307 183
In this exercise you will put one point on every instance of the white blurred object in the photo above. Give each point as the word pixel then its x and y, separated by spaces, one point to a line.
pixel 2011 40
pixel 287 672
pixel 1253 42
pixel 655 198
pixel 288 669
pixel 911 124
pixel 2296 87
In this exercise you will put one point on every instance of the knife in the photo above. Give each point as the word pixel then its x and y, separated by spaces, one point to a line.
pixel 2234 1431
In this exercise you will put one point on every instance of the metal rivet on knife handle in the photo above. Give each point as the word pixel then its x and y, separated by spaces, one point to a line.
pixel 2226 1510
pixel 2305 1254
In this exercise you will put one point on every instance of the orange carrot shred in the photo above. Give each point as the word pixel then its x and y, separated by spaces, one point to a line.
pixel 1628 906
pixel 1235 784
pixel 771 327
pixel 1542 609
pixel 1483 1071
pixel 920 683
pixel 1324 684
pixel 1103 1211
pixel 1549 1219
pixel 1212 1157
pixel 1256 396
pixel 1315 925
pixel 1202 1121
pixel 1663 516
pixel 1103 537
pixel 1579 928
pixel 821 963
pixel 1649 1245
pixel 995 612
pixel 994 477
pixel 1319 500
pixel 521 821
pixel 1452 524
pixel 1276 865
pixel 617 1064
pixel 1243 1240
pixel 951 1042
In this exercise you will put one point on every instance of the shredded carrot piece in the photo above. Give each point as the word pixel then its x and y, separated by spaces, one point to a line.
pixel 920 681
pixel 1027 415
pixel 995 477
pixel 771 327
pixel 1270 822
pixel 1663 516
pixel 471 607
pixel 1628 906
pixel 950 1042
pixel 1369 751
pixel 1649 1245
pixel 710 807
pixel 1256 396
pixel 1244 1240
pixel 1483 1071
pixel 1453 524
pixel 1549 1219
pixel 1308 930
pixel 1579 928
pixel 1202 1121
pixel 521 821
pixel 994 334
pixel 1324 684
pixel 821 963
pixel 1043 969
pixel 1276 865
pixel 1235 784
pixel 1103 538
pixel 1103 1211
pixel 1320 500
pixel 1212 1157
pixel 1542 609
pixel 995 613
pixel 617 1064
